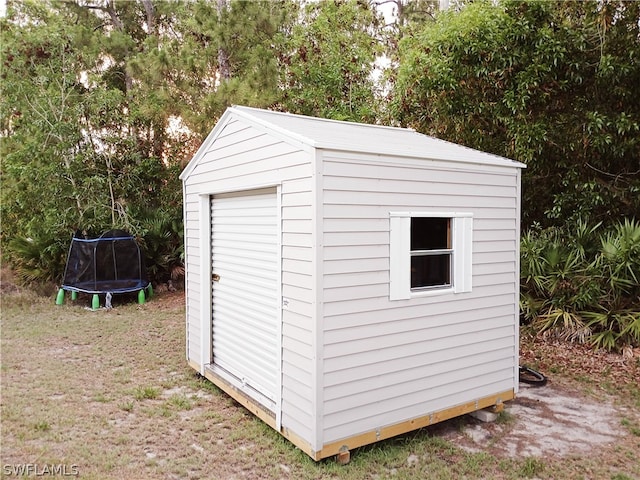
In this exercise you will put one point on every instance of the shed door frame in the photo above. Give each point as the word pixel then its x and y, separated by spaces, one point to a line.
pixel 206 310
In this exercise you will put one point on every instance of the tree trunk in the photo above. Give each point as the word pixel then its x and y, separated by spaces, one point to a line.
pixel 224 69
pixel 151 16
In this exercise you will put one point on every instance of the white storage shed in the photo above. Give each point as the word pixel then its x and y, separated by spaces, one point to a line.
pixel 347 282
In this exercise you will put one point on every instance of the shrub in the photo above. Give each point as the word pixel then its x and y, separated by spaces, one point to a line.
pixel 581 283
pixel 39 261
pixel 162 244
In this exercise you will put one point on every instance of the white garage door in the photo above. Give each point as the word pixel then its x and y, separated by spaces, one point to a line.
pixel 245 256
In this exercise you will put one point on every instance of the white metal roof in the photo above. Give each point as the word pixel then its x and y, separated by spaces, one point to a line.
pixel 358 137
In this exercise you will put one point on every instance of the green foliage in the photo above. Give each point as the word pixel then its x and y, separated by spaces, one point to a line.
pixel 91 96
pixel 633 429
pixel 42 426
pixel 581 284
pixel 162 244
pixel 84 146
pixel 228 56
pixel 551 84
pixel 614 329
pixel 91 92
pixel 328 60
pixel 180 402
pixel 620 259
pixel 37 260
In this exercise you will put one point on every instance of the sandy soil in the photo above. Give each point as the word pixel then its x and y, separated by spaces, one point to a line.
pixel 547 421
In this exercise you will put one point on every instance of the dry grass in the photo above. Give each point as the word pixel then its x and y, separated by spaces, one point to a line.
pixel 111 393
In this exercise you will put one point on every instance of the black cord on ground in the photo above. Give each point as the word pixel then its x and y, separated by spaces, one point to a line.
pixel 532 377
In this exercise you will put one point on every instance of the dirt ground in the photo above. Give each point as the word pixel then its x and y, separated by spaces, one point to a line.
pixel 548 421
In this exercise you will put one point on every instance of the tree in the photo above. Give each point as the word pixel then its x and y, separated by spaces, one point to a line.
pixel 552 84
pixel 81 149
pixel 228 54
pixel 328 61
pixel 42 104
pixel 92 93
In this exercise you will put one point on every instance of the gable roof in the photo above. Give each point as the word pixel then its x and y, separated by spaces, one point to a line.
pixel 353 137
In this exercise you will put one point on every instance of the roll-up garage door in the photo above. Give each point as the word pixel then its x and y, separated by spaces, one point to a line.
pixel 245 256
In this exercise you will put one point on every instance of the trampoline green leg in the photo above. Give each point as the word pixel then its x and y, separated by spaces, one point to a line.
pixel 60 297
pixel 141 297
pixel 74 295
pixel 95 302
pixel 149 290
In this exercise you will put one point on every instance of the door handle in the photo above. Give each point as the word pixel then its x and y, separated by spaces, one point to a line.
pixel 215 277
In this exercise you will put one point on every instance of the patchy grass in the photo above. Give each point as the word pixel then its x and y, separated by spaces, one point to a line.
pixel 505 418
pixel 146 393
pixel 634 429
pixel 110 392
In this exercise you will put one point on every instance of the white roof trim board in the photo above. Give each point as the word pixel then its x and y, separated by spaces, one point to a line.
pixel 352 137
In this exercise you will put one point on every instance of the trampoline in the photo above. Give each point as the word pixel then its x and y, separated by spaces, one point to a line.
pixel 106 265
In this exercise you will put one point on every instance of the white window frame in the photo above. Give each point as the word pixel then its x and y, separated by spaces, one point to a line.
pixel 400 254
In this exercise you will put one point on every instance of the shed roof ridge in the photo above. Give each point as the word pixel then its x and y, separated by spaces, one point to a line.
pixel 257 114
pixel 328 120
pixel 242 112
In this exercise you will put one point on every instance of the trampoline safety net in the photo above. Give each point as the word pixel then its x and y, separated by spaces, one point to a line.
pixel 111 263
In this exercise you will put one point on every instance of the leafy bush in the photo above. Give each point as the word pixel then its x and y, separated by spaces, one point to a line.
pixel 581 283
pixel 559 94
pixel 39 261
pixel 162 244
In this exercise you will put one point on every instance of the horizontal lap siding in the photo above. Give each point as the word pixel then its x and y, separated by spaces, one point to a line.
pixel 386 362
pixel 243 158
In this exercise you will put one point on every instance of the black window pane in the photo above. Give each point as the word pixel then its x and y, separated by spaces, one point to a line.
pixel 431 270
pixel 429 233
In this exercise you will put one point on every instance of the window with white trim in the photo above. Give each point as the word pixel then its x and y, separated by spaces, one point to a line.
pixel 430 253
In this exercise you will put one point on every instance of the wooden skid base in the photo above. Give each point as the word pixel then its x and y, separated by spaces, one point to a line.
pixel 348 444
pixel 414 424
